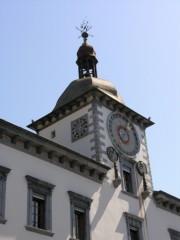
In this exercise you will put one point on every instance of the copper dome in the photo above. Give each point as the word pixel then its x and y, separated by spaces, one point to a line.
pixel 86 50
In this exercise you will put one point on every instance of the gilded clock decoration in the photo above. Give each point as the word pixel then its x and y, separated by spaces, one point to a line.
pixel 123 135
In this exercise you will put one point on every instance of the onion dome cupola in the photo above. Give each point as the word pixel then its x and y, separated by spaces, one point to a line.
pixel 86 59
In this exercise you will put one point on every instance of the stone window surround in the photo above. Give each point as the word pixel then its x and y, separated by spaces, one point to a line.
pixel 38 186
pixel 80 202
pixel 3 176
pixel 133 221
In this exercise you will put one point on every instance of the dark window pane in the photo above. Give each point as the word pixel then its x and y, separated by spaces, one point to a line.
pixel 80 225
pixel 38 213
pixel 127 181
pixel 134 234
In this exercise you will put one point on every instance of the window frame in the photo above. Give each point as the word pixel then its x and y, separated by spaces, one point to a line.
pixel 124 165
pixel 3 178
pixel 82 204
pixel 38 211
pixel 37 186
pixel 134 222
pixel 80 223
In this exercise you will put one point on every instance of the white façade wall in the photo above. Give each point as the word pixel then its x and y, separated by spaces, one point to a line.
pixel 22 164
pixel 106 208
pixel 106 213
pixel 63 133
pixel 159 221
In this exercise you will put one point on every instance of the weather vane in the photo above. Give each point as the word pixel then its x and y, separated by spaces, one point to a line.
pixel 84 28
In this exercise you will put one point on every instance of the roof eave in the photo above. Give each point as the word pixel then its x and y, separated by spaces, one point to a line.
pixel 111 102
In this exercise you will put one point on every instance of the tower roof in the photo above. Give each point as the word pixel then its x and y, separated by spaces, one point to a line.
pixel 79 87
pixel 84 90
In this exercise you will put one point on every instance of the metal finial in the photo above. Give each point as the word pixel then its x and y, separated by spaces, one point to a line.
pixel 84 28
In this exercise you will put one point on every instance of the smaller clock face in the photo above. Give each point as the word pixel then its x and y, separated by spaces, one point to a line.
pixel 79 128
pixel 123 135
pixel 141 168
pixel 112 154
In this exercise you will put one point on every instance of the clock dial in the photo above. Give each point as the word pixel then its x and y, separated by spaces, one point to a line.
pixel 123 135
pixel 141 168
pixel 112 154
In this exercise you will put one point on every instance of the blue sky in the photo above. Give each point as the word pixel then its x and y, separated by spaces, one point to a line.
pixel 138 48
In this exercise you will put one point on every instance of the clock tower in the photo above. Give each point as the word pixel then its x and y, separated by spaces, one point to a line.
pixel 90 116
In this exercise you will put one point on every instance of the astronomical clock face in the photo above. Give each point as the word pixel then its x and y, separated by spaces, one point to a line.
pixel 79 128
pixel 123 135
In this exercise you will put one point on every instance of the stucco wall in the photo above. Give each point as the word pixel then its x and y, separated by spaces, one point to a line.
pixel 106 213
pixel 63 133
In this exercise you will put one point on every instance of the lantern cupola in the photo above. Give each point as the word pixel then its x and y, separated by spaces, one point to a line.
pixel 86 59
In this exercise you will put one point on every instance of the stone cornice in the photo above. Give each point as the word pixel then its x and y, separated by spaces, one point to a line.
pixel 85 99
pixel 167 202
pixel 32 144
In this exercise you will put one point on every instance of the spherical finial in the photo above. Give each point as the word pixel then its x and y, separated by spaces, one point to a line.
pixel 84 28
pixel 84 35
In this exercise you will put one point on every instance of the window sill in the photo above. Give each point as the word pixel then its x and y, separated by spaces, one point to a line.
pixel 40 231
pixel 2 221
pixel 130 194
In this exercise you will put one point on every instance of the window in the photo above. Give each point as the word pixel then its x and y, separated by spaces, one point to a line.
pixel 80 205
pixel 134 226
pixel 134 235
pixel 38 211
pixel 80 224
pixel 175 235
pixel 53 134
pixel 3 175
pixel 127 179
pixel 39 206
pixel 128 176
